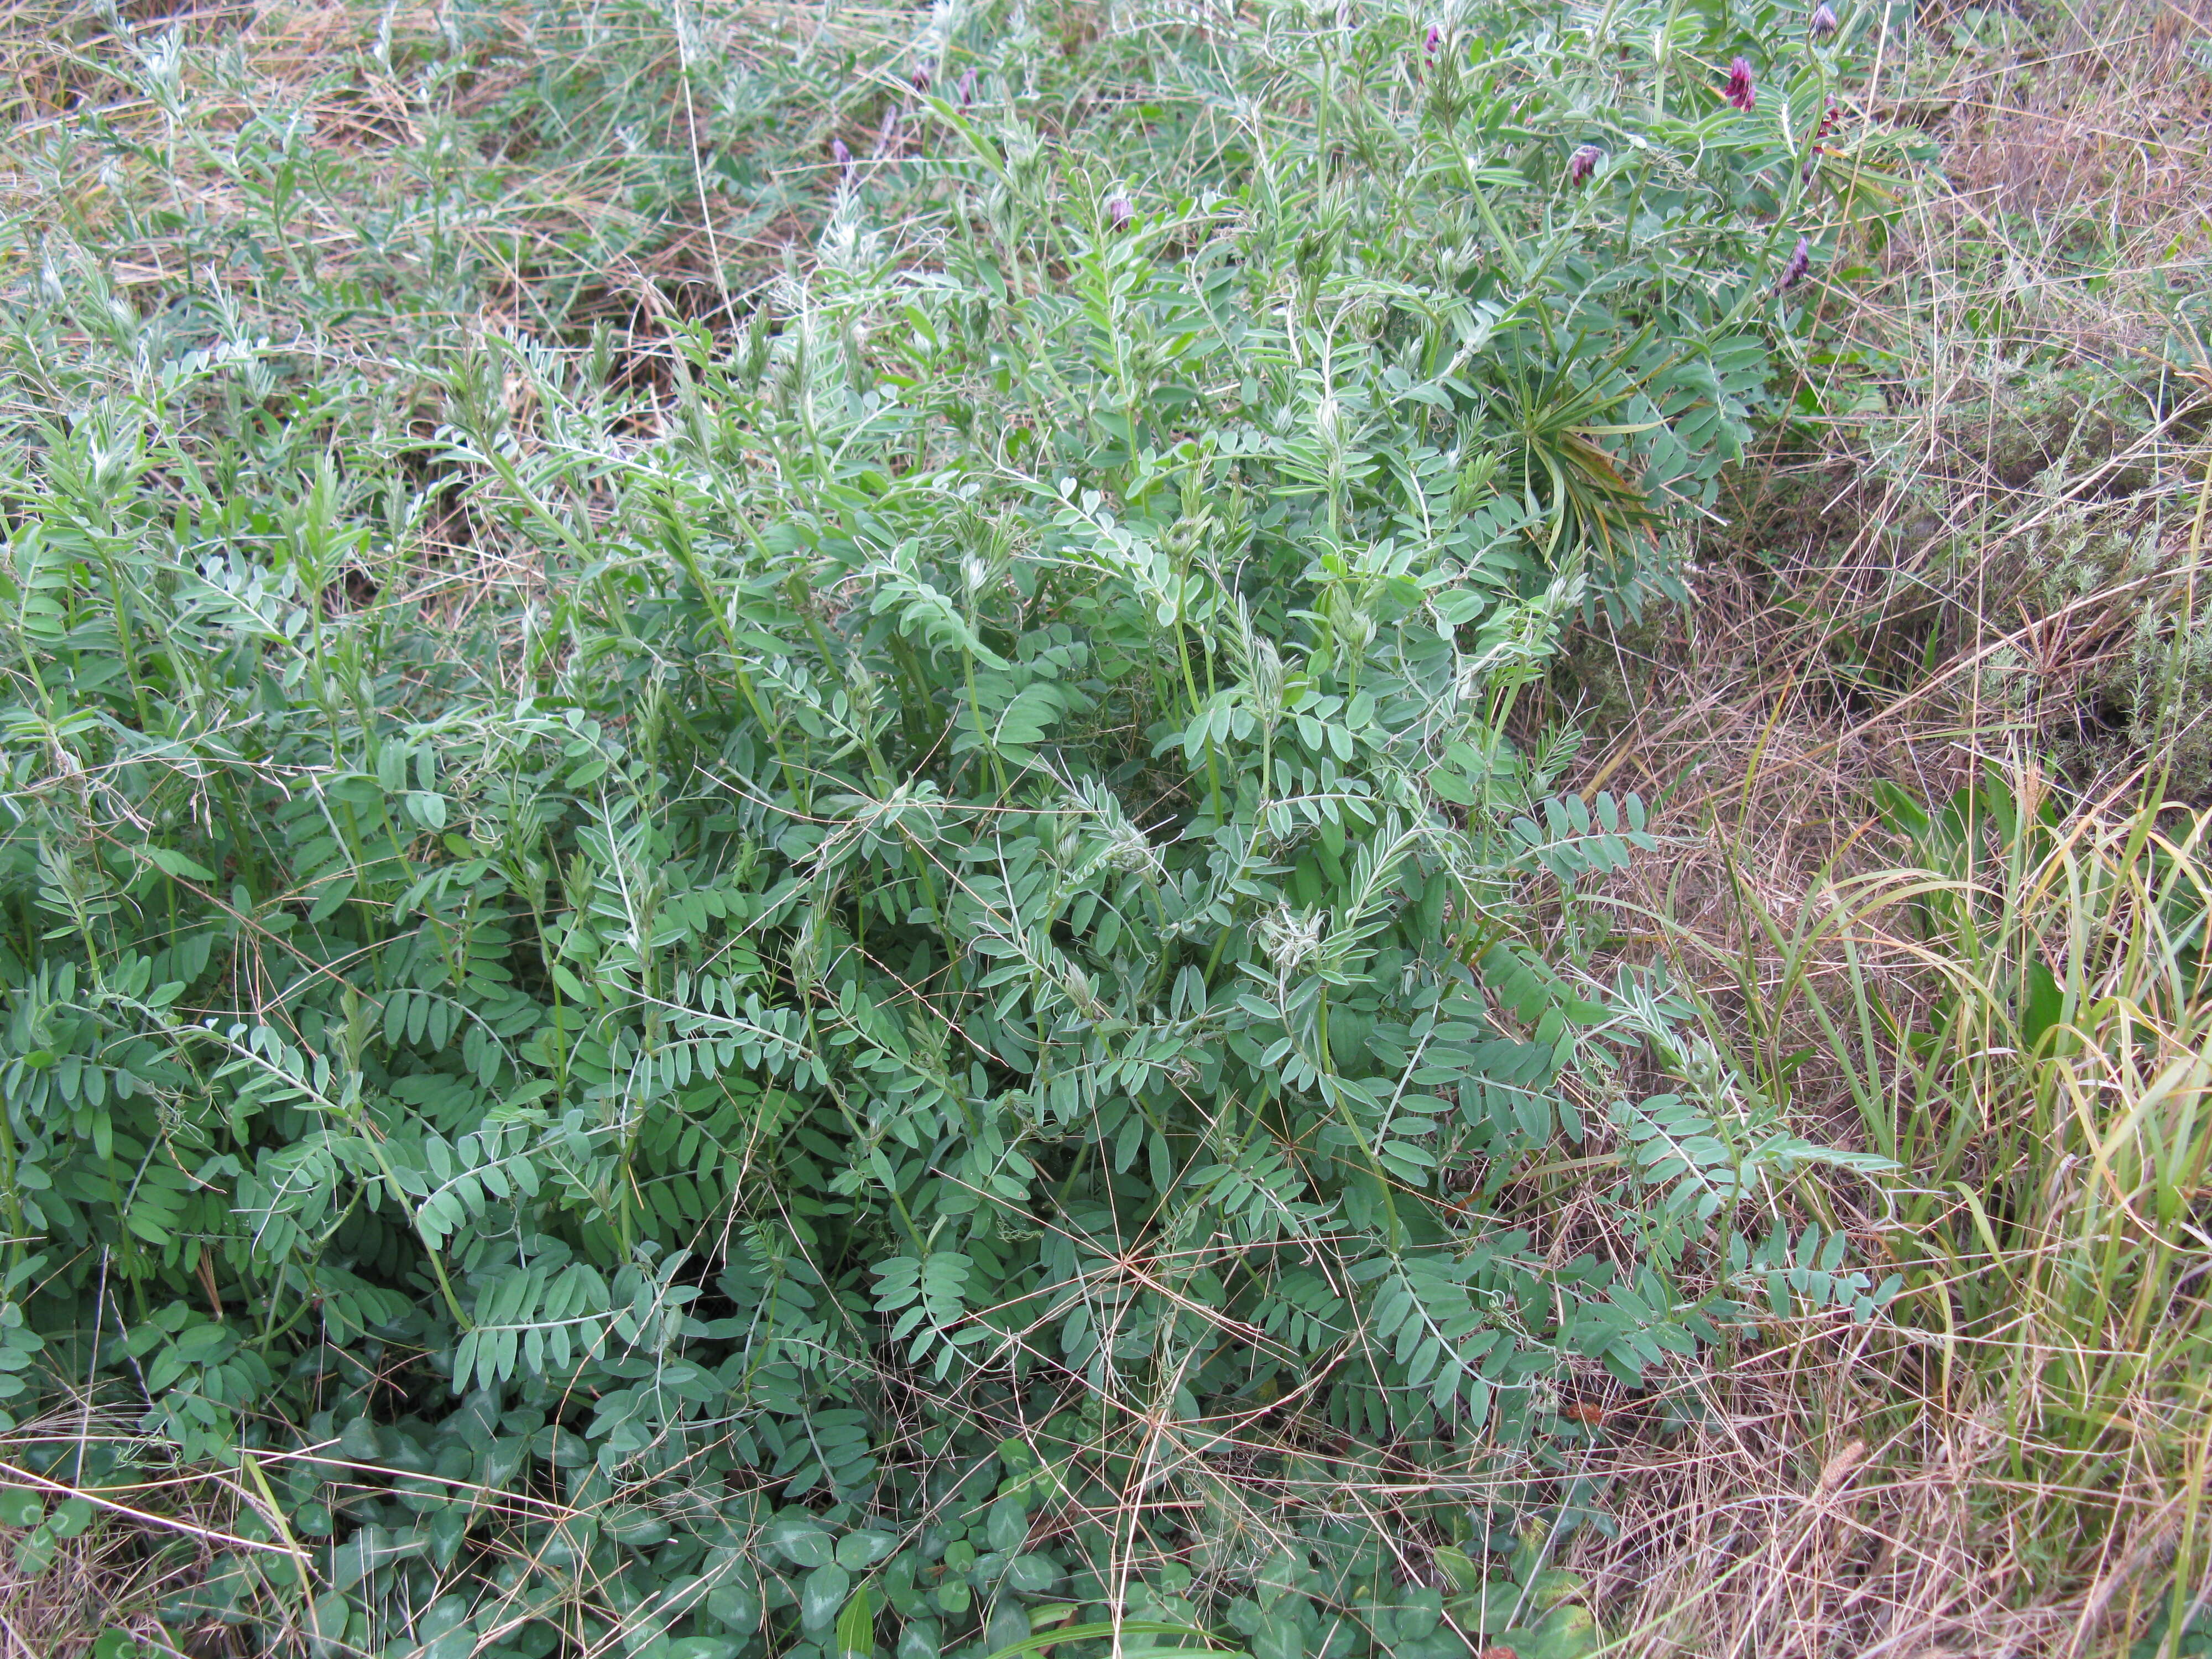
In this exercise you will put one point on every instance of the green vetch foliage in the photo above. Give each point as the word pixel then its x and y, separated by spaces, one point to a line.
pixel 890 1010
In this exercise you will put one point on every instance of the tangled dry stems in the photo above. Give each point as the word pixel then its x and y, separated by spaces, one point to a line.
pixel 1886 1491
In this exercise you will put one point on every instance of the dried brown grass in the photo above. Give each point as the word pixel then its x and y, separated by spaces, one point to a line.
pixel 1879 1491
pixel 1843 1490
pixel 2099 106
pixel 119 1568
pixel 1778 1529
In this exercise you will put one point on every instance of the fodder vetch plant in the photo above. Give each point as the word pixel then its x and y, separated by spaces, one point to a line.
pixel 854 959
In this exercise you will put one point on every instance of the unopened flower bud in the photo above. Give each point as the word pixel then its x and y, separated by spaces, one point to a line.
pixel 967 87
pixel 1119 211
pixel 1800 261
pixel 1433 40
pixel 1822 23
pixel 1327 417
pixel 1740 90
pixel 1583 162
pixel 842 157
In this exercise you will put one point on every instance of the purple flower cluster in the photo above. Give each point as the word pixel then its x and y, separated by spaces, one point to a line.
pixel 1741 90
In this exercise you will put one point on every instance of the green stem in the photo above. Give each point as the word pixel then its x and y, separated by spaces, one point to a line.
pixel 1506 249
pixel 1396 1229
pixel 122 632
pixel 976 711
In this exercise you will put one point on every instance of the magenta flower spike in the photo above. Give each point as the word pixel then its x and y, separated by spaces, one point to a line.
pixel 1583 162
pixel 1739 91
pixel 1434 39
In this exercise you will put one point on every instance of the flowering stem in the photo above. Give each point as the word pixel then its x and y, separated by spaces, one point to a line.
pixel 1506 250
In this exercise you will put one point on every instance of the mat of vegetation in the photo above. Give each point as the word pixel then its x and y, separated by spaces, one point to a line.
pixel 705 962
